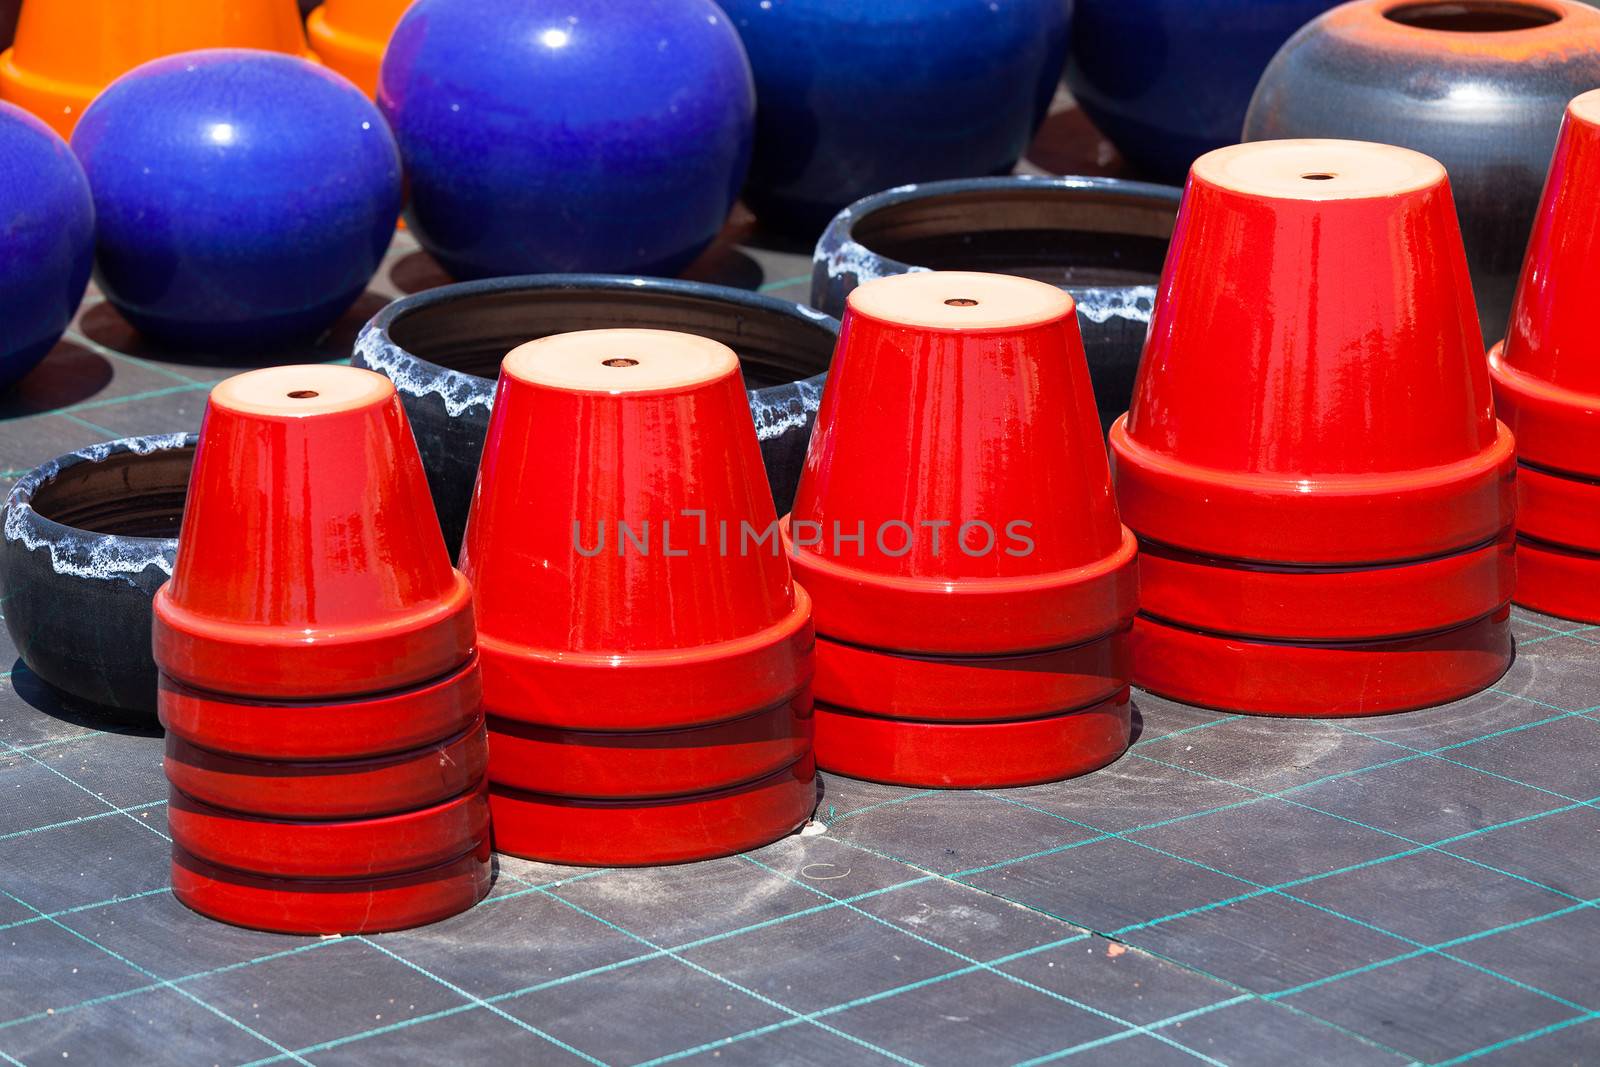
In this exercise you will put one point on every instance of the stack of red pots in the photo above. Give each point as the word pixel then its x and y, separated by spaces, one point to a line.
pixel 956 527
pixel 1322 494
pixel 647 657
pixel 320 688
pixel 1547 383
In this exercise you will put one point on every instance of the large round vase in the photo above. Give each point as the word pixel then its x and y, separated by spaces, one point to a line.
pixel 244 198
pixel 1101 239
pixel 1480 85
pixel 442 348
pixel 1168 80
pixel 856 96
pixel 89 538
pixel 568 135
pixel 46 240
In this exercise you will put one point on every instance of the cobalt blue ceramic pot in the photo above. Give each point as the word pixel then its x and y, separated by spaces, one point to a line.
pixel 46 240
pixel 442 348
pixel 1479 85
pixel 1169 80
pixel 88 539
pixel 857 96
pixel 244 198
pixel 568 135
pixel 1101 239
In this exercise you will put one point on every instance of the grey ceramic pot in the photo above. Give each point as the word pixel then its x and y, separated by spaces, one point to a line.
pixel 1102 239
pixel 1480 85
pixel 442 349
pixel 89 538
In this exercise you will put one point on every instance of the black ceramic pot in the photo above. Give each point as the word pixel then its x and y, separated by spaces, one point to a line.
pixel 442 349
pixel 89 538
pixel 1101 239
pixel 1480 85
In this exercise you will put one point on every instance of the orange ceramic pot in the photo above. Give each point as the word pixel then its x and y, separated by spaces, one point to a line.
pixel 310 564
pixel 66 51
pixel 350 36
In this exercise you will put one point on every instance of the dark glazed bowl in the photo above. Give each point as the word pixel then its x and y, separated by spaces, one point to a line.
pixel 1479 85
pixel 89 538
pixel 1102 239
pixel 443 348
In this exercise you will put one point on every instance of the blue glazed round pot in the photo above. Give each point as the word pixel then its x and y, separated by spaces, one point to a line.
pixel 46 240
pixel 568 135
pixel 1100 239
pixel 861 95
pixel 1168 80
pixel 442 349
pixel 244 198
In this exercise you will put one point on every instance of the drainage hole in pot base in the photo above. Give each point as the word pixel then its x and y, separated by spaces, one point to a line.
pixel 962 303
pixel 304 394
pixel 621 362
pixel 1319 177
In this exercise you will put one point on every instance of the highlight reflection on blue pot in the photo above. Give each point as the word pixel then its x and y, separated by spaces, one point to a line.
pixel 1169 80
pixel 856 96
pixel 46 240
pixel 568 135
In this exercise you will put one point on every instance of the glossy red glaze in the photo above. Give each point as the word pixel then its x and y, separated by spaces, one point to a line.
pixel 310 563
pixel 330 789
pixel 344 848
pixel 353 906
pixel 1325 603
pixel 1558 510
pixel 1558 581
pixel 971 688
pixel 958 436
pixel 1320 680
pixel 973 755
pixel 1302 399
pixel 657 630
pixel 663 763
pixel 352 729
pixel 1547 373
pixel 642 833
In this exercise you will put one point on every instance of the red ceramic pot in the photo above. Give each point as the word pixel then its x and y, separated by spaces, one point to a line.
pixel 1325 603
pixel 330 789
pixel 1547 372
pixel 310 564
pixel 660 763
pixel 1558 581
pixel 345 848
pixel 643 833
pixel 1558 510
pixel 956 499
pixel 973 755
pixel 351 906
pixel 1322 680
pixel 1301 398
pixel 971 688
pixel 353 729
pixel 601 606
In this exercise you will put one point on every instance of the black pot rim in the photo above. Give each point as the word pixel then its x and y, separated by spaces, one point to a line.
pixel 460 390
pixel 84 553
pixel 839 251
